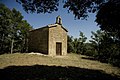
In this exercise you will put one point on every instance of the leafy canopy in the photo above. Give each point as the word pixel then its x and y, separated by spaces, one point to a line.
pixel 108 11
pixel 79 8
pixel 108 17
pixel 13 30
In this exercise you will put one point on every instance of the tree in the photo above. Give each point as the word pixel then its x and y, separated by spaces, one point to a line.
pixel 109 21
pixel 76 45
pixel 70 47
pixel 104 47
pixel 39 6
pixel 23 35
pixel 108 11
pixel 79 8
pixel 81 43
pixel 5 21
pixel 108 17
pixel 96 41
pixel 16 18
pixel 13 30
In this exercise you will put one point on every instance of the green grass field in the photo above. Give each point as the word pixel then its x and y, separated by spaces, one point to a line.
pixel 41 67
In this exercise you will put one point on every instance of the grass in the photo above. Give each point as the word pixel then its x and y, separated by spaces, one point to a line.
pixel 64 63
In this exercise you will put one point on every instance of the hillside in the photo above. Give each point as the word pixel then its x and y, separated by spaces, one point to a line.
pixel 42 67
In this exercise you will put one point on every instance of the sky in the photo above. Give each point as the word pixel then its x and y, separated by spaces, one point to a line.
pixel 40 20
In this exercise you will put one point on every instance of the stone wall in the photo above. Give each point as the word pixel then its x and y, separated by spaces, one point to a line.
pixel 44 39
pixel 57 34
pixel 38 40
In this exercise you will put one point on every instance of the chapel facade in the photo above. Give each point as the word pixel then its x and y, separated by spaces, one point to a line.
pixel 50 40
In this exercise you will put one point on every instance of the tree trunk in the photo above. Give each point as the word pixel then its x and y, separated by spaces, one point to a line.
pixel 26 44
pixel 12 46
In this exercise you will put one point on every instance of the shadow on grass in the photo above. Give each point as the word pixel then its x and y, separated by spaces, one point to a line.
pixel 42 72
pixel 89 58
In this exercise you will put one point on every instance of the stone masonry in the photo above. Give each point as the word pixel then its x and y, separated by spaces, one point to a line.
pixel 51 39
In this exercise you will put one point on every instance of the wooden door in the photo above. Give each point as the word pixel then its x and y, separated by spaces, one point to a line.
pixel 58 48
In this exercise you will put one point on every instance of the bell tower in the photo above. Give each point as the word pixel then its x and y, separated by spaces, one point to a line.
pixel 58 20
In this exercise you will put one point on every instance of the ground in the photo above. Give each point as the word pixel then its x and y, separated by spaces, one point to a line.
pixel 35 66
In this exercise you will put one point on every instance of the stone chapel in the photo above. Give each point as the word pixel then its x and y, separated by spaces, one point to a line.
pixel 50 39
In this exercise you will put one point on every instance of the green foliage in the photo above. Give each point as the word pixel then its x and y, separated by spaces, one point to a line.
pixel 115 56
pixel 4 27
pixel 70 47
pixel 39 6
pixel 89 50
pixel 96 41
pixel 81 46
pixel 13 30
pixel 104 47
pixel 108 20
pixel 79 8
pixel 108 17
pixel 77 45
